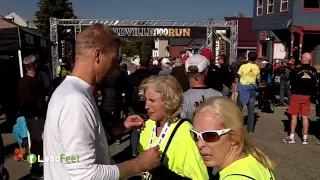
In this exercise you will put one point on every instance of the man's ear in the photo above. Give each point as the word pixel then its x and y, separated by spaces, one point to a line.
pixel 97 55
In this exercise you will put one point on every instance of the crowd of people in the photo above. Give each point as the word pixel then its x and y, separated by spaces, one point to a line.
pixel 180 115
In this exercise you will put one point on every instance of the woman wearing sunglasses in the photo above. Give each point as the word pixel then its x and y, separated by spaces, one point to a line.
pixel 219 133
pixel 181 158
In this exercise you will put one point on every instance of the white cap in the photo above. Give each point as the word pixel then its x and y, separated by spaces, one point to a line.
pixel 165 62
pixel 197 63
pixel 265 62
pixel 277 61
pixel 136 61
pixel 155 62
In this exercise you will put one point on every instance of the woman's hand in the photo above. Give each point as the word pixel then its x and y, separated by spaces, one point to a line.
pixel 134 121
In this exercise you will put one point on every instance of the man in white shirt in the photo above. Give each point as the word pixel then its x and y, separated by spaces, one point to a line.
pixel 75 145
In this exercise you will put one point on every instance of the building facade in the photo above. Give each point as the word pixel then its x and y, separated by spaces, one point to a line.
pixel 293 23
pixel 247 38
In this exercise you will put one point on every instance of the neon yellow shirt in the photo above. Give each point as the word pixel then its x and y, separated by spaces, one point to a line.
pixel 247 166
pixel 248 73
pixel 183 156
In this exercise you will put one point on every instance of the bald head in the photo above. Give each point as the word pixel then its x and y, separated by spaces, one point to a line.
pixel 306 58
pixel 95 36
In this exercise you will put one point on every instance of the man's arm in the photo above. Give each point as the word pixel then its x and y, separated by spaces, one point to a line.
pixel 78 128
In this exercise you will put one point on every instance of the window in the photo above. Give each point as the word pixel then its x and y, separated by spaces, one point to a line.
pixel 270 6
pixel 259 7
pixel 313 4
pixel 284 5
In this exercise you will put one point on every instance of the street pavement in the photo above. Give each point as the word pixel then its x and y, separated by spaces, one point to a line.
pixel 294 161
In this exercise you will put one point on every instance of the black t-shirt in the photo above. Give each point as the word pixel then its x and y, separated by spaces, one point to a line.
pixel 303 80
pixel 135 79
pixel 219 76
pixel 31 96
pixel 111 91
pixel 180 74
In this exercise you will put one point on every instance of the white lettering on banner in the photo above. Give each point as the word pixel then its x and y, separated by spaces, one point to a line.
pixel 171 32
pixel 28 38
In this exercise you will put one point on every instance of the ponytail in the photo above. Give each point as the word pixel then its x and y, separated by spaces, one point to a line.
pixel 260 156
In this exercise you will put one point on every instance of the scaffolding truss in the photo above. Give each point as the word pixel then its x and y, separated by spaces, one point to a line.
pixel 211 26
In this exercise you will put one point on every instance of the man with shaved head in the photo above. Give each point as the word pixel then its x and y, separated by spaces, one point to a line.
pixel 303 80
pixel 75 144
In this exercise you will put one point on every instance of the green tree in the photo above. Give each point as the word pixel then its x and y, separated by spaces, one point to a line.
pixel 139 46
pixel 241 15
pixel 61 9
pixel 146 47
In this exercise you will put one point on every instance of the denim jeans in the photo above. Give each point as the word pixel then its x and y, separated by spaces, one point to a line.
pixel 135 135
pixel 284 91
pixel 251 108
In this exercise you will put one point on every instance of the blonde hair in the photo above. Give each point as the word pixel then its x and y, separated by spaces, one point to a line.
pixel 95 36
pixel 171 93
pixel 232 117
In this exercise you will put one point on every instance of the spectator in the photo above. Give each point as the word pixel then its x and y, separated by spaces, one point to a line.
pixel 303 80
pixel 73 126
pixel 179 72
pixel 197 69
pixel 247 87
pixel 136 104
pixel 218 132
pixel 181 160
pixel 31 95
pixel 165 67
pixel 155 67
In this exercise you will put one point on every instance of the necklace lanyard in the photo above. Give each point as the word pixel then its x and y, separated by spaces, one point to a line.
pixel 162 136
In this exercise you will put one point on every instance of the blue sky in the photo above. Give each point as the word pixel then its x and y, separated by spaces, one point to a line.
pixel 140 9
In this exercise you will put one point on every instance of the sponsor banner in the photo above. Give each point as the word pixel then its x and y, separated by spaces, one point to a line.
pixel 182 32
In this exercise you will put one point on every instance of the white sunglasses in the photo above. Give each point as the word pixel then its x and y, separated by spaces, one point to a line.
pixel 209 136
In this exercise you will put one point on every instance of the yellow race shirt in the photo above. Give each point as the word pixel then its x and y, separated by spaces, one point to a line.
pixel 248 73
pixel 247 166
pixel 182 156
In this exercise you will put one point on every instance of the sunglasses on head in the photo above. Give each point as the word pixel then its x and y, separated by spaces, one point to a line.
pixel 209 136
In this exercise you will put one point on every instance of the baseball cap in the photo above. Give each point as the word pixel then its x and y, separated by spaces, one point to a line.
pixel 165 62
pixel 277 61
pixel 206 52
pixel 29 60
pixel 197 63
pixel 155 62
